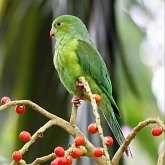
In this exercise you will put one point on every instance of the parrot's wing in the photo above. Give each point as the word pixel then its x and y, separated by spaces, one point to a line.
pixel 93 64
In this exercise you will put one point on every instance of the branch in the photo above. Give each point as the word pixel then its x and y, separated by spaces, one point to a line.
pixel 38 134
pixel 74 131
pixel 132 135
pixel 97 116
pixel 54 120
pixel 32 106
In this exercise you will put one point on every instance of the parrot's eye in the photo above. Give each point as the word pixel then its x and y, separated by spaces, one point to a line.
pixel 58 23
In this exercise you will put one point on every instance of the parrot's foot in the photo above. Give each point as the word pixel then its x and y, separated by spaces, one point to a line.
pixel 79 85
pixel 76 101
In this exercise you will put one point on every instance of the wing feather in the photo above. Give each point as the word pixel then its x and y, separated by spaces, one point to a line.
pixel 93 64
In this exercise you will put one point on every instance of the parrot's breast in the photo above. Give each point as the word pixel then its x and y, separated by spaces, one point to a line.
pixel 67 64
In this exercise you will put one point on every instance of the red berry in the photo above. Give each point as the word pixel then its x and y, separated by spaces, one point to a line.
pixel 92 128
pixel 5 99
pixel 59 151
pixel 76 153
pixel 108 140
pixel 98 152
pixel 97 98
pixel 69 160
pixel 20 109
pixel 25 136
pixel 17 156
pixel 157 130
pixel 62 161
pixel 54 162
pixel 79 140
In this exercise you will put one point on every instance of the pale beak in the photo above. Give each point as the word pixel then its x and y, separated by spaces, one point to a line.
pixel 52 33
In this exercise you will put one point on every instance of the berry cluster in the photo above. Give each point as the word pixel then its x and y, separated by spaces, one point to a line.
pixel 63 157
pixel 76 152
pixel 98 152
pixel 60 159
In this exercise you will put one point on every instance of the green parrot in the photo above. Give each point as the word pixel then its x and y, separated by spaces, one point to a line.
pixel 75 56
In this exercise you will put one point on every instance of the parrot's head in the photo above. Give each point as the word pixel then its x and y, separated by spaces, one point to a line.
pixel 68 25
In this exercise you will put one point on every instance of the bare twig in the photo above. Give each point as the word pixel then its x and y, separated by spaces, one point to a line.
pixel 131 136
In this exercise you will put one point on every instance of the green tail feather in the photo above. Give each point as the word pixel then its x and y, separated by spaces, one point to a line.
pixel 115 127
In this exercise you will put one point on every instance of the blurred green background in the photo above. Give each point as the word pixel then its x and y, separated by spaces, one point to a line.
pixel 129 35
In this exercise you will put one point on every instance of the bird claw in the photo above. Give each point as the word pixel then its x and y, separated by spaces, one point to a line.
pixel 79 85
pixel 76 101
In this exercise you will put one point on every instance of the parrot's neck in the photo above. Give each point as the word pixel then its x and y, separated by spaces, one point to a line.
pixel 63 40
